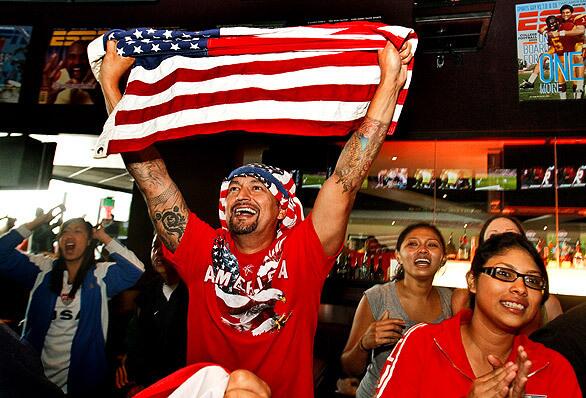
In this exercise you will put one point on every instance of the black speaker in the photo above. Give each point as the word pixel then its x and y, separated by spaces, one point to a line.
pixel 25 163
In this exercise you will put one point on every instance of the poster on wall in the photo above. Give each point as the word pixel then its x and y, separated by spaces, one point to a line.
pixel 67 77
pixel 14 43
pixel 550 36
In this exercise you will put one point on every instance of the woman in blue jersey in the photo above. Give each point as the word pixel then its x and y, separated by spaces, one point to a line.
pixel 67 314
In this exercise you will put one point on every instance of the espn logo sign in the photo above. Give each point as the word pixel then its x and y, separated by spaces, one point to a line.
pixel 533 20
pixel 64 38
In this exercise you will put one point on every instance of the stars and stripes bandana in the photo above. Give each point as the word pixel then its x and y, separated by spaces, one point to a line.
pixel 305 80
pixel 279 182
pixel 254 312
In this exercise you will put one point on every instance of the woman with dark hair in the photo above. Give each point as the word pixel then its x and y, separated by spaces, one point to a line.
pixel 480 352
pixel 67 315
pixel 498 225
pixel 386 310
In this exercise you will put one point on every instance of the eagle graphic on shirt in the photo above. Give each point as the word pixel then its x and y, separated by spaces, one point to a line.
pixel 247 306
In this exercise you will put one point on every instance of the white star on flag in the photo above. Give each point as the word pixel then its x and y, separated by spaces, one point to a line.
pixel 168 34
pixel 155 48
pixel 146 41
pixel 137 50
pixel 151 31
pixel 185 35
pixel 120 51
pixel 175 46
pixel 194 46
pixel 137 33
pixel 111 36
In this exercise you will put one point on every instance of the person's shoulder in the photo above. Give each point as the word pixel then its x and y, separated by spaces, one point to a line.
pixel 379 289
pixel 446 291
pixel 420 333
pixel 303 229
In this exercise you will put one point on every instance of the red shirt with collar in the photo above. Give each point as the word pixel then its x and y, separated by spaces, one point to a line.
pixel 430 361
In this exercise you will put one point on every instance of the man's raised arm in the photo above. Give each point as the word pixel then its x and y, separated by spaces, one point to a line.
pixel 335 199
pixel 165 203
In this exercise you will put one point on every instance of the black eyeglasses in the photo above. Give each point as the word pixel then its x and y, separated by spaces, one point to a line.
pixel 536 282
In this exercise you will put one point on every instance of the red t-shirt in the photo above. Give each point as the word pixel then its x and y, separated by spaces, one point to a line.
pixel 232 311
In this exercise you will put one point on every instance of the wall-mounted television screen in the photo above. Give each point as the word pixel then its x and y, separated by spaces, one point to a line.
pixel 314 180
pixel 566 176
pixel 67 77
pixel 537 177
pixel 458 179
pixel 579 179
pixel 14 44
pixel 423 179
pixel 497 180
pixel 395 178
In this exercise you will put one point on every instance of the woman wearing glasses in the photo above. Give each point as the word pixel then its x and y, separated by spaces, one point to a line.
pixel 479 352
pixel 500 224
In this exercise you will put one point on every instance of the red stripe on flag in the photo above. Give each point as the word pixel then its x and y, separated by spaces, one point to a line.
pixel 264 45
pixel 354 58
pixel 274 126
pixel 346 93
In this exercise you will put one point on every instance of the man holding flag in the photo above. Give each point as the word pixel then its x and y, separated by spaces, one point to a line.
pixel 254 284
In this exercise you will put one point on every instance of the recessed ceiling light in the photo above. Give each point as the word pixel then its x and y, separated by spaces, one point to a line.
pixel 394 158
pixel 545 227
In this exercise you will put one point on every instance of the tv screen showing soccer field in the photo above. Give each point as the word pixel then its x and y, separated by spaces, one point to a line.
pixel 550 61
pixel 497 180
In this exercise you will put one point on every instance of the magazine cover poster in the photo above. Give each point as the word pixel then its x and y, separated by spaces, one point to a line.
pixel 67 77
pixel 550 39
pixel 14 43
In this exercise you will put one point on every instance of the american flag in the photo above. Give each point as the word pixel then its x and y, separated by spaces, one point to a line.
pixel 306 80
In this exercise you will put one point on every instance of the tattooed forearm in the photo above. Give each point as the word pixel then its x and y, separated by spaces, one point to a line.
pixel 359 153
pixel 168 210
pixel 169 215
pixel 163 196
pixel 173 223
pixel 150 175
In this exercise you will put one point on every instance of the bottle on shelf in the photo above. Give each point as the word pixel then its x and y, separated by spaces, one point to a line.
pixel 379 274
pixel 565 255
pixel 578 258
pixel 451 251
pixel 542 249
pixel 552 261
pixel 464 247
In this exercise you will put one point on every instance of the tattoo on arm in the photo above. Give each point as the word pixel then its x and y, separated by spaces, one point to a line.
pixel 359 153
pixel 173 223
pixel 149 175
pixel 163 196
pixel 165 203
